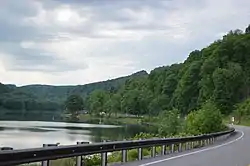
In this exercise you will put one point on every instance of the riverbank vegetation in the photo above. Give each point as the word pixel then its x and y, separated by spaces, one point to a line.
pixel 171 124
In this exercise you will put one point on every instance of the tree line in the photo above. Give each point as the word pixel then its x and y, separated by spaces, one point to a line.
pixel 40 98
pixel 218 74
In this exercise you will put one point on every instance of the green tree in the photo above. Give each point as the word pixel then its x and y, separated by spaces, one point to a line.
pixel 227 84
pixel 187 92
pixel 73 105
pixel 97 100
pixel 208 119
pixel 170 123
pixel 242 110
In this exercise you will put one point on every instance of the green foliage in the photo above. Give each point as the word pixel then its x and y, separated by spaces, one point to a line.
pixel 94 160
pixel 144 136
pixel 46 98
pixel 170 123
pixel 73 105
pixel 186 94
pixel 218 73
pixel 242 110
pixel 97 101
pixel 208 119
pixel 21 104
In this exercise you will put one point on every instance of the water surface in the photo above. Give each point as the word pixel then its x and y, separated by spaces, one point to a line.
pixel 29 134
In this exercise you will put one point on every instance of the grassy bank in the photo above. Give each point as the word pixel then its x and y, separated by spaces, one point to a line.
pixel 113 118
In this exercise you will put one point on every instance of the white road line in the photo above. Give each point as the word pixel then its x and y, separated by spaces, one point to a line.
pixel 198 151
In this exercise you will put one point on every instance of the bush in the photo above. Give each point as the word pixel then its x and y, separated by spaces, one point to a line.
pixel 206 120
pixel 170 123
pixel 242 110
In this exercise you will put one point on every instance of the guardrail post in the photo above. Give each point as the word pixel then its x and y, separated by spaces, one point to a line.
pixel 187 146
pixel 163 149
pixel 172 148
pixel 168 149
pixel 104 158
pixel 79 159
pixel 124 156
pixel 153 151
pixel 47 162
pixel 180 147
pixel 201 143
pixel 140 155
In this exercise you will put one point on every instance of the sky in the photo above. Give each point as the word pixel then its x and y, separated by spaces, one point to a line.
pixel 71 42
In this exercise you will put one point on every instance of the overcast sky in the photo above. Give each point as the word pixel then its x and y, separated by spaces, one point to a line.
pixel 81 41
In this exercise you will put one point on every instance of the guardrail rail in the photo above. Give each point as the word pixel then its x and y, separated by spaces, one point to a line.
pixel 10 157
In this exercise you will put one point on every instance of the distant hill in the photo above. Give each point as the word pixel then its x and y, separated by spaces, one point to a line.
pixel 48 100
pixel 34 98
pixel 60 93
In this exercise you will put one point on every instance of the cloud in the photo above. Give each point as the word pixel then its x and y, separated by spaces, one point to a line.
pixel 77 42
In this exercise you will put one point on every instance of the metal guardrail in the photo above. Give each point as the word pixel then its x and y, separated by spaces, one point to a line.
pixel 9 157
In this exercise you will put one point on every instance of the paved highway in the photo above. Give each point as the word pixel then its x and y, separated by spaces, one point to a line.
pixel 235 151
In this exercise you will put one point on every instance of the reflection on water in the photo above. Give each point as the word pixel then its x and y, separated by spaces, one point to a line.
pixel 28 134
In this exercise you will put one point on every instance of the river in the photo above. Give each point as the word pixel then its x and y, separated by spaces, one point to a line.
pixel 31 134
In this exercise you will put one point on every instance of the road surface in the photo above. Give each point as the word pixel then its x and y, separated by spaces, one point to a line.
pixel 233 152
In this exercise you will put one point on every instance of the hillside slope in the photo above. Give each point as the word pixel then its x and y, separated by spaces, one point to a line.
pixel 219 73
pixel 32 98
pixel 60 93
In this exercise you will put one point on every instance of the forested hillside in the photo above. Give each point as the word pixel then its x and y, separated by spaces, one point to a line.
pixel 219 73
pixel 39 98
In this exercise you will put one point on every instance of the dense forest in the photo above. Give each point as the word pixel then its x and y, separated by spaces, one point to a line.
pixel 41 99
pixel 219 73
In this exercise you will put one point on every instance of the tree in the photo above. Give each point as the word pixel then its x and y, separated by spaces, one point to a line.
pixel 73 105
pixel 208 119
pixel 170 123
pixel 227 84
pixel 97 100
pixel 242 110
pixel 186 94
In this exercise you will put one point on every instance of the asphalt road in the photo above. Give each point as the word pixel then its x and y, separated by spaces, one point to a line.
pixel 235 151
